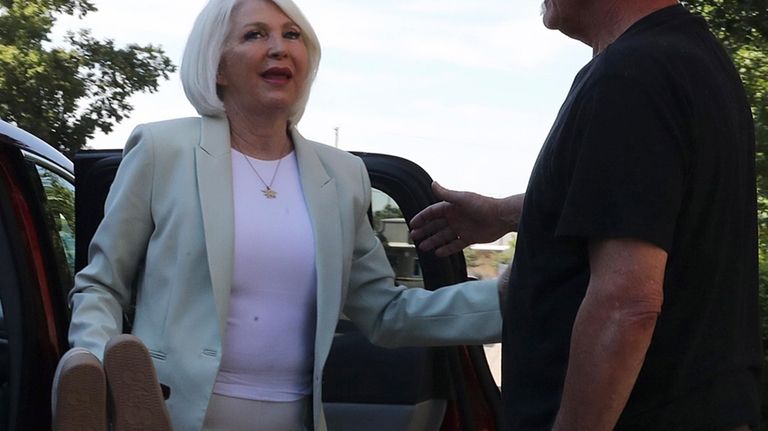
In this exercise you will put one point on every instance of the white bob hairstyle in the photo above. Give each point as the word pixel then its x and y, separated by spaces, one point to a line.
pixel 205 45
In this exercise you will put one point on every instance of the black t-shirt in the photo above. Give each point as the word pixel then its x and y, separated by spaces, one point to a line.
pixel 654 142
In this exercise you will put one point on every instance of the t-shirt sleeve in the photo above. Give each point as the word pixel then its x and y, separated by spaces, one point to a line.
pixel 628 171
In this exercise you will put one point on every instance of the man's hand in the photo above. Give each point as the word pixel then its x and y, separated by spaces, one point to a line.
pixel 464 218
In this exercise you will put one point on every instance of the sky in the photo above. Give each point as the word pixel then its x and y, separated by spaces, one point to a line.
pixel 466 89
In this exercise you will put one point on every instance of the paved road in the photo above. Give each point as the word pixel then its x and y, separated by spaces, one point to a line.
pixel 493 354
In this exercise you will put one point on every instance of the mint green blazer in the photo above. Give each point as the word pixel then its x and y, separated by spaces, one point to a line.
pixel 167 233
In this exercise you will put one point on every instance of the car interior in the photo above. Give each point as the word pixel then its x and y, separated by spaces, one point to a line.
pixel 365 386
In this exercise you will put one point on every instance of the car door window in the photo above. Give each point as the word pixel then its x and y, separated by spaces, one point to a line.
pixel 391 229
pixel 58 201
pixel 490 261
pixel 483 261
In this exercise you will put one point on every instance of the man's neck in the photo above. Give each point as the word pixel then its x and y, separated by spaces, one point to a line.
pixel 614 19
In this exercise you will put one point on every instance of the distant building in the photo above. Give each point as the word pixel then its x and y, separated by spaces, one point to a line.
pixel 401 252
pixel 402 255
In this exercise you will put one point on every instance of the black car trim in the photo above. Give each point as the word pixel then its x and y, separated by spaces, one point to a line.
pixel 46 163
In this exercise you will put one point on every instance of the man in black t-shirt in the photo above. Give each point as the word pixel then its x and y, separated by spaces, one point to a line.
pixel 632 300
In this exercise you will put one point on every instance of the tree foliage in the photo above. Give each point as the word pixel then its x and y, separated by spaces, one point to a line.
pixel 63 94
pixel 742 26
pixel 389 211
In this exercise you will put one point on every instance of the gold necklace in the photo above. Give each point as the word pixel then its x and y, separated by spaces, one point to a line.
pixel 268 192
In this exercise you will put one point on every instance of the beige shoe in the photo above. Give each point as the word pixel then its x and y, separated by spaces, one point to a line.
pixel 135 393
pixel 79 394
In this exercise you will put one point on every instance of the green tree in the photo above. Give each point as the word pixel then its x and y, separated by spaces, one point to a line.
pixel 62 94
pixel 389 211
pixel 470 257
pixel 505 257
pixel 742 26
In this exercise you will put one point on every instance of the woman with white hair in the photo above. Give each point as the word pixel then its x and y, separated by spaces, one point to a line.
pixel 243 243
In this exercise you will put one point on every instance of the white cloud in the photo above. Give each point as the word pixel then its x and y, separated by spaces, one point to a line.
pixel 467 89
pixel 167 24
pixel 491 35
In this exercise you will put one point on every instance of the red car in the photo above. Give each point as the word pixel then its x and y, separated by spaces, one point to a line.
pixel 366 387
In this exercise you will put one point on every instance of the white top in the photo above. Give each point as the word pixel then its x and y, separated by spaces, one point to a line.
pixel 268 349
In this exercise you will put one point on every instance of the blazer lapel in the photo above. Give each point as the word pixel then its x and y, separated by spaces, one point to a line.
pixel 323 205
pixel 214 179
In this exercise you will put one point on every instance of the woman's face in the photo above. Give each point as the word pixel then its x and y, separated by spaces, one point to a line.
pixel 264 63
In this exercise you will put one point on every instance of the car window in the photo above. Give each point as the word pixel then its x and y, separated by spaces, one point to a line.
pixel 489 261
pixel 58 201
pixel 483 260
pixel 390 227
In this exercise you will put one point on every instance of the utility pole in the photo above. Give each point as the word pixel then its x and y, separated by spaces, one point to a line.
pixel 336 140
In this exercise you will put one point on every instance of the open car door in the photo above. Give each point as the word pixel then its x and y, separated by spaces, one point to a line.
pixel 36 263
pixel 367 387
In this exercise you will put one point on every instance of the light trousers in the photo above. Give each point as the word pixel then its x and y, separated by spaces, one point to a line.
pixel 237 414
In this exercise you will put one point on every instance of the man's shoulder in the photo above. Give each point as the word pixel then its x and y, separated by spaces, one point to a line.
pixel 659 47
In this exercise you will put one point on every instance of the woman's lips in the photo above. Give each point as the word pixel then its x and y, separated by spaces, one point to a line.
pixel 277 75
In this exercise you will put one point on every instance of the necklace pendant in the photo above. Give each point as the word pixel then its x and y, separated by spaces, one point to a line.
pixel 269 193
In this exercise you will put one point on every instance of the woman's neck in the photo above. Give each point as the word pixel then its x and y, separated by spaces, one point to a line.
pixel 260 137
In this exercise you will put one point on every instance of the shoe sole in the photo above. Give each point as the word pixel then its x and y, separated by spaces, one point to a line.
pixel 81 394
pixel 135 392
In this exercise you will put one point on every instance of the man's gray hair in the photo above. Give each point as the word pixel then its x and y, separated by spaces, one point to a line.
pixel 205 45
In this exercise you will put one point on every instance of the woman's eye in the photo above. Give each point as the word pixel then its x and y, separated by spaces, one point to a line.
pixel 255 34
pixel 292 34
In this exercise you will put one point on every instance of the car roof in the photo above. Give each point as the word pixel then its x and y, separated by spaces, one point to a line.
pixel 31 143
